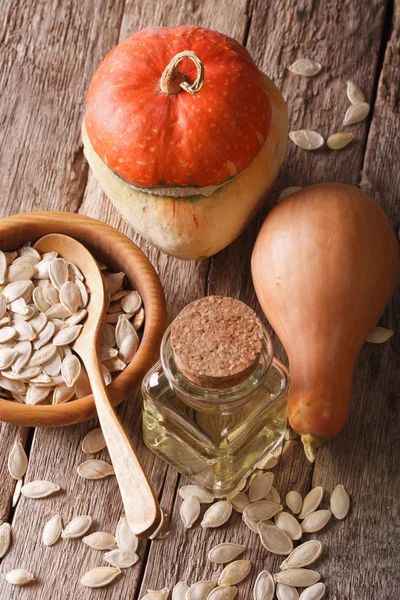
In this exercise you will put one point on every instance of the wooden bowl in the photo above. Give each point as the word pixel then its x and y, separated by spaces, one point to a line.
pixel 119 253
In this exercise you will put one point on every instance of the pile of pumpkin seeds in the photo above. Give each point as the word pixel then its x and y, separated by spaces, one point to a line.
pixel 43 300
pixel 256 499
pixel 357 112
pixel 259 502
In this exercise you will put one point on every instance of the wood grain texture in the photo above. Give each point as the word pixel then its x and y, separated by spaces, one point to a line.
pixel 365 457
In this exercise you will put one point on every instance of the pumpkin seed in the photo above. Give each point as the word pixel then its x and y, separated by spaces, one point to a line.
pixel 20 307
pixel 5 538
pixel 222 592
pixel 340 502
pixel 70 369
pixel 138 319
pixel 118 295
pixel 251 523
pixel 41 380
pixel 294 501
pixel 114 307
pixel 218 514
pixel 77 527
pixel 190 511
pixel 156 594
pixel 36 394
pixel 193 490
pixel 128 348
pixel 307 139
pixel 39 489
pixel 27 250
pixel 19 577
pixel 121 558
pixel 114 364
pixel 179 591
pixel 107 352
pixel 12 386
pixel 354 93
pixel 123 329
pixel 108 335
pixel 235 572
pixel 42 269
pixel 20 272
pixel 70 297
pixel 57 311
pixel 23 331
pixel 7 357
pixel 44 336
pixel 51 294
pixel 225 552
pixel 58 272
pixel 52 367
pixel 52 531
pixel 264 587
pixel 3 306
pixel 6 320
pixel 239 501
pixel 100 576
pixel 126 539
pixel 262 510
pixel 286 592
pixel 274 540
pixel 337 141
pixel 77 318
pixel 260 486
pixel 94 442
pixel 314 592
pixel 74 272
pixel 284 194
pixel 17 289
pixel 200 590
pixel 356 113
pixel 311 501
pixel 67 336
pixel 43 355
pixel 95 469
pixel 82 386
pixel 7 333
pixel 273 495
pixel 287 523
pixel 38 322
pixel 305 67
pixel 100 540
pixel 379 335
pixel 316 521
pixel 113 282
pixel 17 461
pixel 39 300
pixel 303 555
pixel 83 292
pixel 63 393
pixel 24 352
pixel 297 577
pixel 131 303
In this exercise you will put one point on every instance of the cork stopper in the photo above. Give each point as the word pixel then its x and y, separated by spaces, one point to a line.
pixel 216 341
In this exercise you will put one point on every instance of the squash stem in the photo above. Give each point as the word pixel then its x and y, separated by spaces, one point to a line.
pixel 311 443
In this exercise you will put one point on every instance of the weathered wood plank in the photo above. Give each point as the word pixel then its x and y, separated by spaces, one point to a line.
pixel 365 457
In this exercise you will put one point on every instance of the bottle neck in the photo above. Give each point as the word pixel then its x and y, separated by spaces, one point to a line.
pixel 210 399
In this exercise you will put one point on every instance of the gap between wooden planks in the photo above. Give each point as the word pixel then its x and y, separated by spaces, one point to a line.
pixel 185 282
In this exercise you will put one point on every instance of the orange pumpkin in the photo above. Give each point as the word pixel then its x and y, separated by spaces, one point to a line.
pixel 151 134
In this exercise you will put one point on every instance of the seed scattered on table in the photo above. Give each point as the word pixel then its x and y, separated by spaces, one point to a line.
pixel 340 502
pixel 126 539
pixel 264 587
pixel 100 576
pixel 217 515
pixel 5 538
pixel 235 572
pixel 17 460
pixel 19 577
pixel 307 139
pixel 39 489
pixel 305 67
pixel 225 552
pixel 190 511
pixel 311 501
pixel 77 527
pixel 95 469
pixel 100 540
pixel 52 531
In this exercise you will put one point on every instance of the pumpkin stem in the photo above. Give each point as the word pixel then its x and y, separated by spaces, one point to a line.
pixel 311 442
pixel 173 81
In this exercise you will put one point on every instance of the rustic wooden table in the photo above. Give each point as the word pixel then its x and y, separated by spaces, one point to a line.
pixel 49 52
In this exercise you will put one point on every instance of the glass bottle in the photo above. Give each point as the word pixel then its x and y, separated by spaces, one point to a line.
pixel 213 436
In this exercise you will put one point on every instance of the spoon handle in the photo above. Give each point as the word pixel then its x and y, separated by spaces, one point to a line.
pixel 142 510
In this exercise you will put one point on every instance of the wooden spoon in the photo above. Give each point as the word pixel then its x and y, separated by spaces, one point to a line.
pixel 141 506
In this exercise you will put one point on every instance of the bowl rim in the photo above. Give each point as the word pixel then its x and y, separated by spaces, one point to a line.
pixel 152 293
